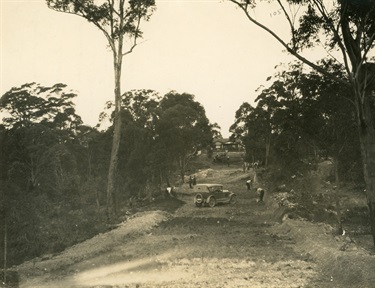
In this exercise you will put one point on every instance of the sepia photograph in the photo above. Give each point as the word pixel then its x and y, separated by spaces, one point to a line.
pixel 187 143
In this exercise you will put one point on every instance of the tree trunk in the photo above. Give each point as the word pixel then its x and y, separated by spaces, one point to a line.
pixel 112 172
pixel 111 185
pixel 268 145
pixel 5 251
pixel 368 158
pixel 97 197
pixel 368 152
pixel 182 169
pixel 336 191
pixel 367 143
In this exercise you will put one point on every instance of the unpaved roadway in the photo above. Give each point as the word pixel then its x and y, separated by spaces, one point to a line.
pixel 224 246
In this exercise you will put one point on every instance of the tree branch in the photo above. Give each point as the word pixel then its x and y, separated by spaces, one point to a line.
pixel 135 35
pixel 290 24
pixel 335 32
pixel 286 46
pixel 83 15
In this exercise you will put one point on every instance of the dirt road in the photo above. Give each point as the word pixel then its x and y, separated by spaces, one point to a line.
pixel 224 246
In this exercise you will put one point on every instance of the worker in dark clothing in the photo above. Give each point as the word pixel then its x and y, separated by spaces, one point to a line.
pixel 260 193
pixel 248 184
pixel 191 181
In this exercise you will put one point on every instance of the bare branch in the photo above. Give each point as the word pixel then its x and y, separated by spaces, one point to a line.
pixel 369 45
pixel 135 35
pixel 289 49
pixel 335 32
pixel 290 24
pixel 83 15
pixel 112 5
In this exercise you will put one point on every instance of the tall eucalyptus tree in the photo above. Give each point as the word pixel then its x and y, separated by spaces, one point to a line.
pixel 119 21
pixel 346 29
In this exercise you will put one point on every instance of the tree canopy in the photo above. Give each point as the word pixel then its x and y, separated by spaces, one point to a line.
pixel 55 169
pixel 301 115
pixel 32 103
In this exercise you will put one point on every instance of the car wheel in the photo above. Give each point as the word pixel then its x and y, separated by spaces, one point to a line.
pixel 212 202
pixel 233 199
pixel 198 200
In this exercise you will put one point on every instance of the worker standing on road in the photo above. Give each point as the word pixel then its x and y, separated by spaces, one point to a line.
pixel 260 193
pixel 191 181
pixel 169 191
pixel 248 184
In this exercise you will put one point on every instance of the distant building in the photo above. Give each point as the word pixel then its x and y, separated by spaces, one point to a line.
pixel 224 144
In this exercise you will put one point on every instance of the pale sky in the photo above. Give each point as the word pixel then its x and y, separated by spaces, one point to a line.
pixel 205 48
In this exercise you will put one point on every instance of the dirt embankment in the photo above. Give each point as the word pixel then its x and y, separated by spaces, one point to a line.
pixel 346 257
pixel 240 245
pixel 339 258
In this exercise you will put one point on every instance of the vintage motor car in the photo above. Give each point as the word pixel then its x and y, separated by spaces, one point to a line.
pixel 212 194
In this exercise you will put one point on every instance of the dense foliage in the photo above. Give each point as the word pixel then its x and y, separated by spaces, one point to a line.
pixel 301 116
pixel 54 169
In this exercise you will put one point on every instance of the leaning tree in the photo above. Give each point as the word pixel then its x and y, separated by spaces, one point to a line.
pixel 119 20
pixel 346 29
